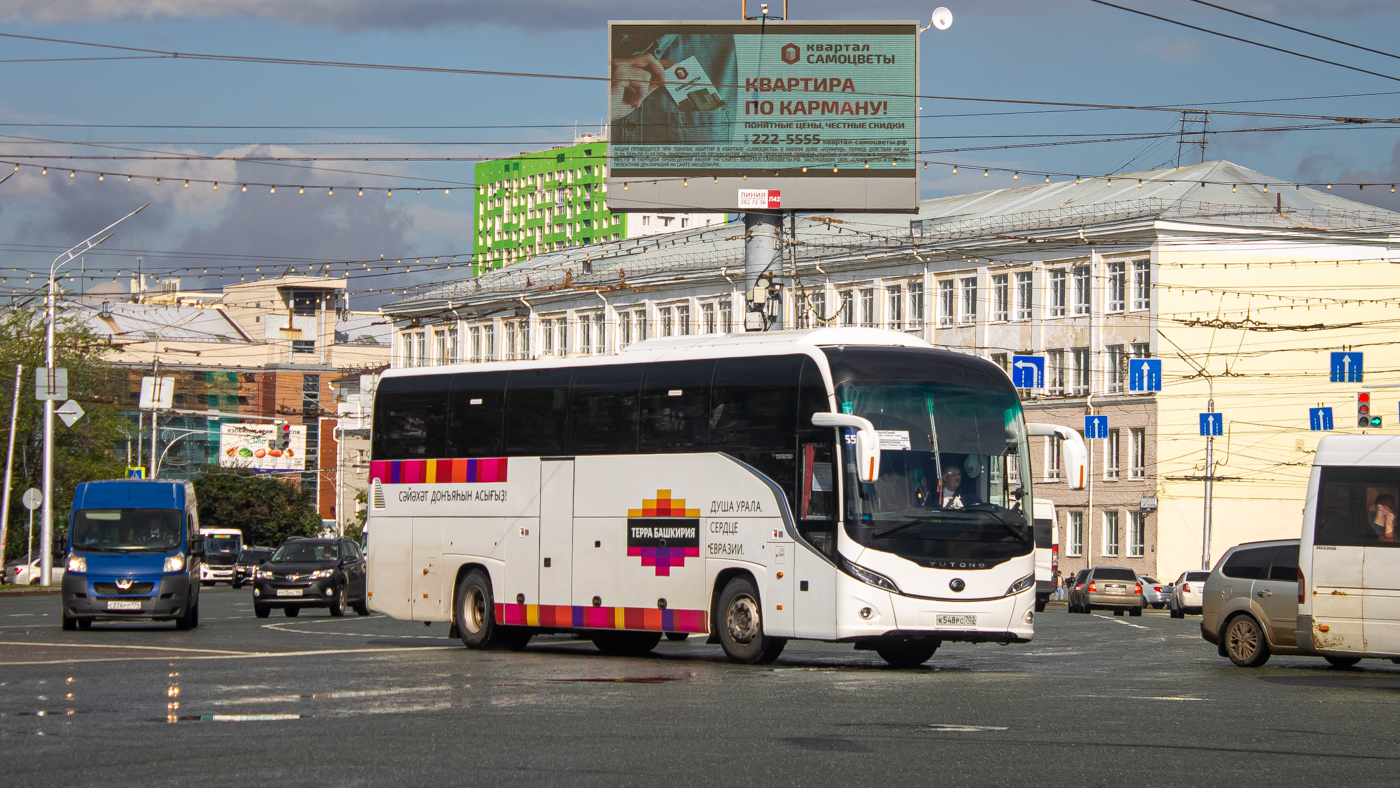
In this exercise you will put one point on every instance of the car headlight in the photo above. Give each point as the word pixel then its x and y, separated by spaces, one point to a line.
pixel 321 574
pixel 1021 585
pixel 866 576
pixel 263 574
pixel 174 563
pixel 77 563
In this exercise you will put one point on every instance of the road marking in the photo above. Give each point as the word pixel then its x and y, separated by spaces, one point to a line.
pixel 285 626
pixel 247 717
pixel 1117 620
pixel 955 728
pixel 234 655
pixel 113 645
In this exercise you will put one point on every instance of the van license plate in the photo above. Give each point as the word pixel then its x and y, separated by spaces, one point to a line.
pixel 116 604
pixel 289 592
pixel 945 620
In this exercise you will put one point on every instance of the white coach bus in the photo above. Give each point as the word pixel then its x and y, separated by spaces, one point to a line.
pixel 847 485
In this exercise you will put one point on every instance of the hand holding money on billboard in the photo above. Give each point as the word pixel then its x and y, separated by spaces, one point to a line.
pixel 633 79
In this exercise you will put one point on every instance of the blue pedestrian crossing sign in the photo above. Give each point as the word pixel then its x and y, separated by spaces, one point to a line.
pixel 1212 423
pixel 1319 419
pixel 1145 374
pixel 1346 367
pixel 135 473
pixel 1095 427
pixel 1028 372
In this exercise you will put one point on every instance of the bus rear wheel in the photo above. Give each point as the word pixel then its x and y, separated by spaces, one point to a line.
pixel 906 653
pixel 626 644
pixel 740 625
pixel 475 612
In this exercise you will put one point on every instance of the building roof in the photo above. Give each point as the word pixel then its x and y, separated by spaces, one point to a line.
pixel 1232 196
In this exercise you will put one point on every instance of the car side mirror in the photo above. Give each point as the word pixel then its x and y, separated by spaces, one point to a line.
pixel 867 441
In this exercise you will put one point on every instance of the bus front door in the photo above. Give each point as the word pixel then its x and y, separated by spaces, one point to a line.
pixel 556 532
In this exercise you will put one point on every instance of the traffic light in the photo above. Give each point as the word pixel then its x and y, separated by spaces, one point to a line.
pixel 1363 411
pixel 284 436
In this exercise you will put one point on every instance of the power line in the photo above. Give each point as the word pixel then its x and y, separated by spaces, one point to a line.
pixel 1295 29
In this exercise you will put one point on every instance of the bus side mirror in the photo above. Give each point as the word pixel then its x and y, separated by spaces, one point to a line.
pixel 867 441
pixel 1074 458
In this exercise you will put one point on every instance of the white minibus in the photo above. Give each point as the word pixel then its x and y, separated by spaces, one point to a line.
pixel 847 485
pixel 1047 551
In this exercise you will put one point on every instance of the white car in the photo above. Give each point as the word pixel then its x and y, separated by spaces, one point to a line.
pixel 20 575
pixel 1188 593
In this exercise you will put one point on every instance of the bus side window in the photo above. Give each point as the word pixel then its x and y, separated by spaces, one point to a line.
pixel 815 497
pixel 603 409
pixel 410 418
pixel 675 407
pixel 477 409
pixel 753 414
pixel 537 412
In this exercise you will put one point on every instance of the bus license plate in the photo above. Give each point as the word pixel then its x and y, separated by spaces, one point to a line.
pixel 117 604
pixel 289 592
pixel 945 620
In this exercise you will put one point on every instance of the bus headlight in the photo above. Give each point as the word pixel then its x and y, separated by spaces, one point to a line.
pixel 174 563
pixel 866 576
pixel 77 563
pixel 1021 585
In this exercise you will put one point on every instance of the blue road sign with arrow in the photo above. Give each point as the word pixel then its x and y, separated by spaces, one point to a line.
pixel 1028 372
pixel 1145 374
pixel 1212 423
pixel 1319 419
pixel 1095 427
pixel 1346 367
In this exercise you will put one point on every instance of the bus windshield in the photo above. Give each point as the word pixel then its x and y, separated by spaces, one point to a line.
pixel 126 530
pixel 954 471
pixel 222 544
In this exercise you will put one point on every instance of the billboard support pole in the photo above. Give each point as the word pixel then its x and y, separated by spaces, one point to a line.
pixel 761 231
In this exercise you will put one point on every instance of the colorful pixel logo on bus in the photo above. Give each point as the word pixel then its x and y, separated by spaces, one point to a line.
pixel 663 533
pixel 438 471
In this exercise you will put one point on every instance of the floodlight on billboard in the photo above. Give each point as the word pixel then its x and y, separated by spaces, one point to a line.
pixel 720 116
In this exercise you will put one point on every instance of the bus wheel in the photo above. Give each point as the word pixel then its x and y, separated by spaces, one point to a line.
pixel 740 625
pixel 1244 642
pixel 906 653
pixel 677 636
pixel 475 612
pixel 626 644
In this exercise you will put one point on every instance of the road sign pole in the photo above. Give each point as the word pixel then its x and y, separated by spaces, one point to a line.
pixel 1210 478
pixel 9 466
pixel 46 522
pixel 155 412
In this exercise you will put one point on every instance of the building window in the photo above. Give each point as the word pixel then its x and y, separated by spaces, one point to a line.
pixel 726 317
pixel 1117 287
pixel 1113 373
pixel 945 302
pixel 1055 363
pixel 969 300
pixel 547 337
pixel 1142 350
pixel 1058 293
pixel 916 304
pixel 1052 459
pixel 1074 527
pixel 407 349
pixel 1137 452
pixel 895 306
pixel 1081 371
pixel 421 351
pixel 1110 533
pixel 1110 455
pixel 453 351
pixel 524 339
pixel 707 318
pixel 1082 290
pixel 600 337
pixel 848 307
pixel 1001 298
pixel 510 341
pixel 585 333
pixel 1137 534
pixel 1142 284
pixel 474 345
pixel 813 309
pixel 1024 295
pixel 663 314
pixel 1003 361
pixel 303 346
pixel 683 320
pixel 867 308
pixel 440 340
pixel 488 343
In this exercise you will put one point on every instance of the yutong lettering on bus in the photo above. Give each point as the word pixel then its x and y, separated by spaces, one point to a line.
pixel 743 516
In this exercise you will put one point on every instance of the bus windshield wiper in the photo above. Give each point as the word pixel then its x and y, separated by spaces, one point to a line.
pixel 1020 531
pixel 883 532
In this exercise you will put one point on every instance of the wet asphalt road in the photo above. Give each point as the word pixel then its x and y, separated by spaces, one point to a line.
pixel 370 701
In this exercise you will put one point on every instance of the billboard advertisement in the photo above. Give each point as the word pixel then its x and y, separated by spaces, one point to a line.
pixel 260 447
pixel 790 115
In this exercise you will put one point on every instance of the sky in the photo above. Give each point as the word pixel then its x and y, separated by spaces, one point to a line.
pixel 1076 51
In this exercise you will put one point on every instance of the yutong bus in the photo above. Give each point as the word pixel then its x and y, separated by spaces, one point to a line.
pixel 846 485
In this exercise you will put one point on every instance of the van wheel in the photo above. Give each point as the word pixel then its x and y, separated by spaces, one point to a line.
pixel 475 617
pixel 626 644
pixel 906 653
pixel 740 625
pixel 190 619
pixel 69 624
pixel 1341 662
pixel 1244 642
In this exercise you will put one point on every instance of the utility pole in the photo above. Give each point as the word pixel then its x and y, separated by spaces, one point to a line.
pixel 155 410
pixel 10 464
pixel 1197 123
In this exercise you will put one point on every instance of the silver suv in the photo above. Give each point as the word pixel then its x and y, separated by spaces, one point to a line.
pixel 1250 605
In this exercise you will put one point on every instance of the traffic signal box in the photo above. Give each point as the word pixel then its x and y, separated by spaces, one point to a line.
pixel 1363 411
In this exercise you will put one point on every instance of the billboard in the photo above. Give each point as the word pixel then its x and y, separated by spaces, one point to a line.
pixel 725 116
pixel 259 447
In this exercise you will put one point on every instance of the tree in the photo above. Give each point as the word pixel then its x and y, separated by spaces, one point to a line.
pixel 93 448
pixel 266 508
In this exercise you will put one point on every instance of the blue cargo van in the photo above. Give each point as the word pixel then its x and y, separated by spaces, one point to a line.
pixel 134 552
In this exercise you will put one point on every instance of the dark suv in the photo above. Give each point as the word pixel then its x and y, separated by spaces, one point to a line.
pixel 327 573
pixel 247 563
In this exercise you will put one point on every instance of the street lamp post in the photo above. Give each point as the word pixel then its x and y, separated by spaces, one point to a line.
pixel 46 522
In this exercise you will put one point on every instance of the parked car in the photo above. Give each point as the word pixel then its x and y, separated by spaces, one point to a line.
pixel 1074 592
pixel 1154 592
pixel 1250 609
pixel 247 563
pixel 1110 588
pixel 327 573
pixel 1187 592
pixel 18 573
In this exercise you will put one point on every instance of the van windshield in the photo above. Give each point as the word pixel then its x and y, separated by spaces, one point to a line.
pixel 126 530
